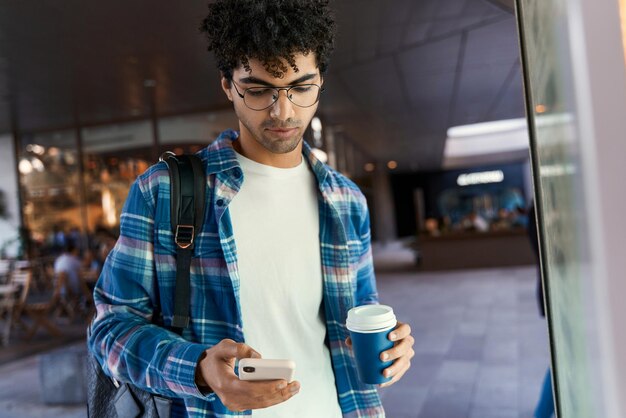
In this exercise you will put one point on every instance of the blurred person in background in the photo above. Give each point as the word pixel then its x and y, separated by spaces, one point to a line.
pixel 475 222
pixel 69 263
pixel 302 235
pixel 503 221
pixel 431 225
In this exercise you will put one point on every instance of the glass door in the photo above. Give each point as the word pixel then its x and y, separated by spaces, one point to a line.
pixel 575 83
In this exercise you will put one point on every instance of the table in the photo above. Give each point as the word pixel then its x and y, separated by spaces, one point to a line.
pixel 471 250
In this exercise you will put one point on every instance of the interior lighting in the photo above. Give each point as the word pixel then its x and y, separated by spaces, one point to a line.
pixel 540 108
pixel 555 170
pixel 35 149
pixel 484 177
pixel 483 139
pixel 392 165
pixel 108 207
pixel 25 166
pixel 369 167
pixel 486 128
pixel 37 164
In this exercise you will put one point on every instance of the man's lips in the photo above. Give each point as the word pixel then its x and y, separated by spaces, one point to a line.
pixel 281 129
pixel 282 133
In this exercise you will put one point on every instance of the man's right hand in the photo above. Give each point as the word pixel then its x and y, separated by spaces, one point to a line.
pixel 216 370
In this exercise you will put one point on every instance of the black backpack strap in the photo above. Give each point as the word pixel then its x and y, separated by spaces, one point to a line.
pixel 187 199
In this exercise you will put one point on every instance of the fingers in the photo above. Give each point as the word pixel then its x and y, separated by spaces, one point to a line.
pixel 245 351
pixel 349 342
pixel 216 371
pixel 396 377
pixel 270 389
pixel 401 353
pixel 401 348
pixel 398 367
pixel 256 395
pixel 396 370
pixel 401 331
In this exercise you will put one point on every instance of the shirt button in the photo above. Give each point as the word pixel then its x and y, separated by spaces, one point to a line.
pixel 220 202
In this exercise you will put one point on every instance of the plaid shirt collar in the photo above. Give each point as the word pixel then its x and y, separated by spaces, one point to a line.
pixel 222 157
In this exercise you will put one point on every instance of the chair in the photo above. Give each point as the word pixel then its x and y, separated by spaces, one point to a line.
pixel 42 314
pixel 5 269
pixel 65 300
pixel 7 303
pixel 12 303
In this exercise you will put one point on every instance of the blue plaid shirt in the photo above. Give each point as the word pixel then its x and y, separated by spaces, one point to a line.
pixel 130 348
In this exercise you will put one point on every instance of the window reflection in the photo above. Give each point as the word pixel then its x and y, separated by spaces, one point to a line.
pixel 60 205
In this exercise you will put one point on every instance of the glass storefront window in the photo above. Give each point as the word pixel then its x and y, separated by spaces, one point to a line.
pixel 113 155
pixel 60 205
pixel 48 166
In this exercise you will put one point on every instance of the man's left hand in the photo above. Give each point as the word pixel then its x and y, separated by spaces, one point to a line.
pixel 401 353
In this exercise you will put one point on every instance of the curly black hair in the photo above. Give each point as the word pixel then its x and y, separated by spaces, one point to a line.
pixel 268 30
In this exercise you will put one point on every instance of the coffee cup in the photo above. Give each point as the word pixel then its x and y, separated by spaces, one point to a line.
pixel 369 327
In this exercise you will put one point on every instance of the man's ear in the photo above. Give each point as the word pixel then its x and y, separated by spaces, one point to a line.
pixel 226 87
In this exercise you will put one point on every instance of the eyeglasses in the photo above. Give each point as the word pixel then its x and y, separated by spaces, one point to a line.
pixel 260 98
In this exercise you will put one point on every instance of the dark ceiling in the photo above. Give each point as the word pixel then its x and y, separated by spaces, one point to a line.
pixel 403 71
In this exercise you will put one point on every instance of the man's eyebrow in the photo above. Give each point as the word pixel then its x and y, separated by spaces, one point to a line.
pixel 254 80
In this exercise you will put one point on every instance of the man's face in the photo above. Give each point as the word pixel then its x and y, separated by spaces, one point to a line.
pixel 280 127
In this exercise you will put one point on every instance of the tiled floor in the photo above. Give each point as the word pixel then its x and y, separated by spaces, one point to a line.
pixel 20 393
pixel 481 349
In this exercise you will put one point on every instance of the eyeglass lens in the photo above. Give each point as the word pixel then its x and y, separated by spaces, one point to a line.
pixel 259 98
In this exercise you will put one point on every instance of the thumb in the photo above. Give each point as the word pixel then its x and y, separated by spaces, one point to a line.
pixel 233 349
pixel 245 351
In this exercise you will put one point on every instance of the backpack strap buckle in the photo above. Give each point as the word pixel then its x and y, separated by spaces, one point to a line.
pixel 184 236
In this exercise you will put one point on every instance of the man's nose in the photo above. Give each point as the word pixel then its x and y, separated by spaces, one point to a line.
pixel 282 108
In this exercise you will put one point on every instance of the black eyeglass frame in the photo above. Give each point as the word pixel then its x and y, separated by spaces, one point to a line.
pixel 278 89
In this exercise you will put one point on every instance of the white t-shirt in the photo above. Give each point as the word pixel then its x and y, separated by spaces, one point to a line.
pixel 275 218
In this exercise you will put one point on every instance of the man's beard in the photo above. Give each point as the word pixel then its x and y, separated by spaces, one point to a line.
pixel 279 146
pixel 275 145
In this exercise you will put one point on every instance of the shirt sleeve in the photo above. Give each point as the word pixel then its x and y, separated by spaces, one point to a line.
pixel 366 293
pixel 123 339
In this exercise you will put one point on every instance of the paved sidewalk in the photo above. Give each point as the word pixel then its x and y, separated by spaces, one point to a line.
pixel 20 393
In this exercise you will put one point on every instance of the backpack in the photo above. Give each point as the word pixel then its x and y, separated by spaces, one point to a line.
pixel 107 397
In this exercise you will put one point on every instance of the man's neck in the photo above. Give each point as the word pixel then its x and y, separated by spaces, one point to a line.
pixel 254 151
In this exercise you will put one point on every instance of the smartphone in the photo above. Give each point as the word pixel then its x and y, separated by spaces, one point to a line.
pixel 266 369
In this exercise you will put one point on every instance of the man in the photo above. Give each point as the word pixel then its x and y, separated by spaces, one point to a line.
pixel 69 263
pixel 283 255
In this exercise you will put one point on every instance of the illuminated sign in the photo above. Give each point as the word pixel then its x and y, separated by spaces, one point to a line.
pixel 484 177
